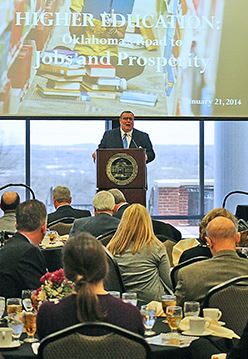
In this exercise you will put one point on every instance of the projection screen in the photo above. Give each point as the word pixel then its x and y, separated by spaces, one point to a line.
pixel 158 58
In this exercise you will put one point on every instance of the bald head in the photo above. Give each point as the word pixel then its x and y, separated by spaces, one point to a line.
pixel 222 234
pixel 9 201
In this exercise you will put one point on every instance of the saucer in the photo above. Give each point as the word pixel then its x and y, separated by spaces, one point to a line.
pixel 14 344
pixel 206 332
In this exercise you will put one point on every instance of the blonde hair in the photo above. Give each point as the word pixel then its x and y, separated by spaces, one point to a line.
pixel 135 229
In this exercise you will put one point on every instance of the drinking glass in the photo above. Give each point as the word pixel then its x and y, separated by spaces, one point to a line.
pixel 149 315
pixel 29 322
pixel 16 325
pixel 2 306
pixel 14 307
pixel 27 299
pixel 191 309
pixel 174 315
pixel 167 300
pixel 114 293
pixel 130 298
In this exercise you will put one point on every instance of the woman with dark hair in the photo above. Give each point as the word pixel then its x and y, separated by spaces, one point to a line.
pixel 142 258
pixel 85 263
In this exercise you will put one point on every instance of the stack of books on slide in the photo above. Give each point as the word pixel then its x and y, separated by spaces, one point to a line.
pixel 63 79
pixel 139 98
pixel 100 81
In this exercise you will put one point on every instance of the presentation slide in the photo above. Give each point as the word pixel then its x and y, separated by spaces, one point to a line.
pixel 90 58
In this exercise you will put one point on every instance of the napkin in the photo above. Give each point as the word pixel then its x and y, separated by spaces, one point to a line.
pixel 158 305
pixel 219 356
pixel 217 329
pixel 181 246
pixel 35 347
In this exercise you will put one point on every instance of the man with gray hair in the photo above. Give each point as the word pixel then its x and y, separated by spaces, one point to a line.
pixel 64 213
pixel 194 280
pixel 103 222
pixel 9 203
pixel 21 262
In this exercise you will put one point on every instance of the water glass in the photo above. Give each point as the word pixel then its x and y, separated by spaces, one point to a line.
pixel 2 306
pixel 115 293
pixel 130 298
pixel 149 315
pixel 16 325
pixel 27 299
pixel 191 309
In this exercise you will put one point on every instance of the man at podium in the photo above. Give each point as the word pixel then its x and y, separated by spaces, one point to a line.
pixel 126 136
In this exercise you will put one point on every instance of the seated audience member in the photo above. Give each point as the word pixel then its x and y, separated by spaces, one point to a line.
pixel 21 262
pixel 103 221
pixel 64 213
pixel 120 202
pixel 85 263
pixel 142 258
pixel 203 249
pixel 196 279
pixel 9 202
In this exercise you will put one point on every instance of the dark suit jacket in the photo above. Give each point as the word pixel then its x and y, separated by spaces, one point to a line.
pixel 120 210
pixel 100 224
pixel 112 139
pixel 21 266
pixel 66 214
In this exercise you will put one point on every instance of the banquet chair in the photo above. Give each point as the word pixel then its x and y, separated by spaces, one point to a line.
pixel 105 238
pixel 174 271
pixel 231 297
pixel 61 228
pixel 114 280
pixel 167 230
pixel 94 340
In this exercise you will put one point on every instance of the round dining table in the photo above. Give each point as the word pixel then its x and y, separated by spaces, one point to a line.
pixel 24 351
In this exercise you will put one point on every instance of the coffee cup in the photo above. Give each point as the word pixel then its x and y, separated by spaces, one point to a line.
pixel 5 336
pixel 198 325
pixel 213 313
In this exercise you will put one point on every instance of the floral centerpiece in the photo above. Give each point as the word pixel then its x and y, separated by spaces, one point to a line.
pixel 54 286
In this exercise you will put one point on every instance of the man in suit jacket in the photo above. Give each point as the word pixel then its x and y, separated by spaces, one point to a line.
pixel 21 262
pixel 135 138
pixel 103 222
pixel 9 203
pixel 120 202
pixel 196 279
pixel 64 213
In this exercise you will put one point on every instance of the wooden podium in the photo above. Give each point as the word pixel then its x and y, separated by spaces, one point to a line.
pixel 124 169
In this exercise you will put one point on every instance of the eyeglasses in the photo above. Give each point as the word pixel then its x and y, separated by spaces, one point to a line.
pixel 127 119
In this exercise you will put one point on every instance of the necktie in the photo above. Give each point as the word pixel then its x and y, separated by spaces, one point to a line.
pixel 124 140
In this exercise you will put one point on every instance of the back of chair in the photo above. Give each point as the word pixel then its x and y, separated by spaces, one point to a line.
pixel 114 279
pixel 61 228
pixel 169 231
pixel 231 297
pixel 105 238
pixel 174 271
pixel 79 342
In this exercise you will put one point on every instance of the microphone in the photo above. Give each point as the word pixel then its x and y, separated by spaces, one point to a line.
pixel 135 144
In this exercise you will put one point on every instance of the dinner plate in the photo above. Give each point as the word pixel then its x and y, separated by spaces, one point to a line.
pixel 14 344
pixel 206 332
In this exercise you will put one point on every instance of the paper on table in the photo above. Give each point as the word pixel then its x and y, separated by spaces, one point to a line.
pixel 35 347
pixel 217 329
pixel 53 245
pixel 158 305
pixel 219 356
pixel 167 339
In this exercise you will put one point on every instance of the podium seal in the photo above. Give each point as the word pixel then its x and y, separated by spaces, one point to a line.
pixel 121 169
